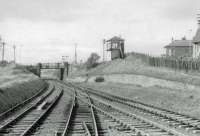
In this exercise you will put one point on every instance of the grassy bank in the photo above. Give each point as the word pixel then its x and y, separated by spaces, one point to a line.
pixel 16 85
pixel 137 66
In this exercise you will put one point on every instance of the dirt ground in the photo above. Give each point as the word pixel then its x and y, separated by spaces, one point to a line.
pixel 136 66
pixel 183 101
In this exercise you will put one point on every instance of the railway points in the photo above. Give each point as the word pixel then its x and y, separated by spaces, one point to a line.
pixel 67 109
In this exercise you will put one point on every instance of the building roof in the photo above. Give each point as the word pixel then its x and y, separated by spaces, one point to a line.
pixel 115 38
pixel 196 38
pixel 179 43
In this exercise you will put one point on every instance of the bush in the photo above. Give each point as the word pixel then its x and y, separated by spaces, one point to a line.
pixel 92 60
pixel 99 79
pixel 3 63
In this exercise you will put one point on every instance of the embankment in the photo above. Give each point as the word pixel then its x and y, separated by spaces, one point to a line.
pixel 163 87
pixel 16 85
pixel 18 92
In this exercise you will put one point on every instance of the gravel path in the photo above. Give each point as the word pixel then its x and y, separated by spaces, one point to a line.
pixel 57 117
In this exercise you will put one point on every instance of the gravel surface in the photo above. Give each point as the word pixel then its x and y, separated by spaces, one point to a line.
pixel 57 117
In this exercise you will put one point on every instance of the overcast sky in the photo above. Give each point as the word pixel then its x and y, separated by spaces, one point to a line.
pixel 45 30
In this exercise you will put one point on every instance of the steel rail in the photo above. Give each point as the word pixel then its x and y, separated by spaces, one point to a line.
pixel 93 116
pixel 86 129
pixel 135 116
pixel 137 131
pixel 42 116
pixel 65 132
pixel 134 101
pixel 70 114
pixel 92 113
pixel 71 109
pixel 143 119
pixel 186 121
pixel 19 116
pixel 94 121
pixel 126 100
pixel 113 117
pixel 41 90
pixel 105 113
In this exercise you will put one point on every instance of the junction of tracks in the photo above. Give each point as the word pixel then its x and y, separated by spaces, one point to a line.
pixel 68 109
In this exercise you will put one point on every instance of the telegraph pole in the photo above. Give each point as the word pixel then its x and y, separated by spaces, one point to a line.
pixel 14 55
pixel 104 41
pixel 3 51
pixel 0 46
pixel 3 48
pixel 198 19
pixel 75 53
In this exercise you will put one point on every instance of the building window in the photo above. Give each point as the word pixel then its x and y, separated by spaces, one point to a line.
pixel 169 52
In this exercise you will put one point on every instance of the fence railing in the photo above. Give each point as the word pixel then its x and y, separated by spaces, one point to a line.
pixel 177 64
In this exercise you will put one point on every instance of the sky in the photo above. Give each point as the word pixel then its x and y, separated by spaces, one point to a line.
pixel 46 30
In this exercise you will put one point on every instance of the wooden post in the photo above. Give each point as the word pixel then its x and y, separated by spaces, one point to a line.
pixel 62 70
pixel 3 51
pixel 66 65
pixel 39 66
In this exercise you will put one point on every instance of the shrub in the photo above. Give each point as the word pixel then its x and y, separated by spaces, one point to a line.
pixel 99 79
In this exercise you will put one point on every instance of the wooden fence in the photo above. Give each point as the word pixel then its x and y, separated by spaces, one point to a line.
pixel 177 64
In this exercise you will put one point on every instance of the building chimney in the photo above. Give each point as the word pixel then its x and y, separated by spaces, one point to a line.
pixel 184 38
pixel 172 39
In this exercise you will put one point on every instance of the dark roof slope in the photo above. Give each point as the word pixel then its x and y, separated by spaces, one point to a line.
pixel 196 38
pixel 115 38
pixel 179 43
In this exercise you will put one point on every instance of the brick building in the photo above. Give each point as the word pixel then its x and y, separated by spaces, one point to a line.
pixel 179 49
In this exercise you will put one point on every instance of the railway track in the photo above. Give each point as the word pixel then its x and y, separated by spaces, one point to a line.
pixel 85 111
pixel 56 121
pixel 172 119
pixel 171 122
pixel 26 122
pixel 89 120
pixel 81 120
pixel 23 104
pixel 123 122
pixel 34 119
pixel 10 115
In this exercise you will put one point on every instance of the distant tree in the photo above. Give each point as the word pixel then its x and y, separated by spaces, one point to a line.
pixel 92 61
pixel 3 63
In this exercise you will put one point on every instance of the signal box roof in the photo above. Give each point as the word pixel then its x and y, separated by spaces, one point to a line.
pixel 115 39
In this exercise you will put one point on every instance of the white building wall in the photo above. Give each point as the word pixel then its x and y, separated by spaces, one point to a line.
pixel 196 50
